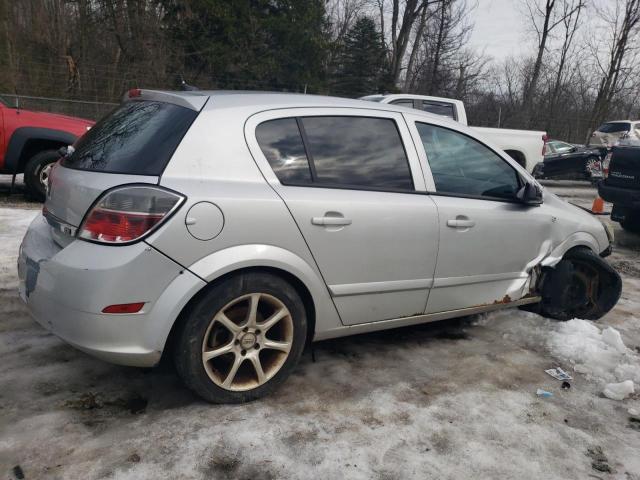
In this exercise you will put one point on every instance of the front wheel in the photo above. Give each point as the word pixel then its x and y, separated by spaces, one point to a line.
pixel 242 338
pixel 36 173
pixel 581 285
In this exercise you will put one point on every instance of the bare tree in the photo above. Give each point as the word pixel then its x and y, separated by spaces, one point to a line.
pixel 623 22
pixel 439 62
pixel 571 22
pixel 544 19
pixel 404 14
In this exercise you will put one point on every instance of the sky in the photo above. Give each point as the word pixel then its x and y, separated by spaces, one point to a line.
pixel 499 28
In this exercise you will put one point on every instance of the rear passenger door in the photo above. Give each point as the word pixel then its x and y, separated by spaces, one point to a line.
pixel 352 181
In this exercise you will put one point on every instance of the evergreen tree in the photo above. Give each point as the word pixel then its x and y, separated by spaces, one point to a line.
pixel 256 44
pixel 362 63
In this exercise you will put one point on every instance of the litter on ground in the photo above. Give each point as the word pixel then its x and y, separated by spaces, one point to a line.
pixel 559 374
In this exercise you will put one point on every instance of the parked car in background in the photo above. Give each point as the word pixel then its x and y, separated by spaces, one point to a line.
pixel 228 229
pixel 622 185
pixel 29 143
pixel 524 146
pixel 609 133
pixel 564 160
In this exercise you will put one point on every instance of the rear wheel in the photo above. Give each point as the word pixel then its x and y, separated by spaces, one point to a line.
pixel 36 173
pixel 242 338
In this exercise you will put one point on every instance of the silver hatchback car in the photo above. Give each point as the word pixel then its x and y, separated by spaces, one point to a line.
pixel 229 229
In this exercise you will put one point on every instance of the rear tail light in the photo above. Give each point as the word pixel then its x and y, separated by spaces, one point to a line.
pixel 127 214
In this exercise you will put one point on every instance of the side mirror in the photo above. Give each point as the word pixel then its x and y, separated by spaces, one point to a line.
pixel 530 194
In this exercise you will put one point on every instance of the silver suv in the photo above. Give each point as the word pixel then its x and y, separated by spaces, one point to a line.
pixel 230 229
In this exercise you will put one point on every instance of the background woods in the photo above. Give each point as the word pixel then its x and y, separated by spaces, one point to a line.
pixel 581 67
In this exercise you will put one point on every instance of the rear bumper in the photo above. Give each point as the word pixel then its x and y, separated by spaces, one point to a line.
pixel 65 290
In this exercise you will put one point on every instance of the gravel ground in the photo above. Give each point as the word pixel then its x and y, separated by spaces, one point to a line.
pixel 449 400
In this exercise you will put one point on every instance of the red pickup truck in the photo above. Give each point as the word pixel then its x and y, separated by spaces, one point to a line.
pixel 29 143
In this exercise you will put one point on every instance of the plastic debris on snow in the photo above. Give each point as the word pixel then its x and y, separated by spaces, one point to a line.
pixel 600 355
pixel 559 374
pixel 618 391
pixel 543 393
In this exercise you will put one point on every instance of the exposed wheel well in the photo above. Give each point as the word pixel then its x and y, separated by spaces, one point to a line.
pixel 32 147
pixel 300 287
pixel 518 157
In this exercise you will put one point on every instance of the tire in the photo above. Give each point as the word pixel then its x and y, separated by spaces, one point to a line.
pixel 36 174
pixel 206 333
pixel 587 171
pixel 566 287
pixel 632 222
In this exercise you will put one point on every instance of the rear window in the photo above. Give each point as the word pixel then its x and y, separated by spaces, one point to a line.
pixel 614 127
pixel 137 138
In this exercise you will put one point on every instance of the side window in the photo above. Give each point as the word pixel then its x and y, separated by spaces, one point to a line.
pixel 403 103
pixel 462 165
pixel 281 143
pixel 439 108
pixel 562 147
pixel 357 152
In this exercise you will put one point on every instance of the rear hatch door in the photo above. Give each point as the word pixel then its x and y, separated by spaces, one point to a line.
pixel 133 144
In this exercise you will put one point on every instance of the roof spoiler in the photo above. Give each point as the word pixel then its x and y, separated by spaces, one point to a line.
pixel 192 100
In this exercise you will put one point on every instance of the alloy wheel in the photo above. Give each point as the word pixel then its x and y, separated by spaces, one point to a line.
pixel 44 176
pixel 247 342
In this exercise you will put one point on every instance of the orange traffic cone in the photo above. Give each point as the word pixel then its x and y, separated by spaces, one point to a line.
pixel 598 206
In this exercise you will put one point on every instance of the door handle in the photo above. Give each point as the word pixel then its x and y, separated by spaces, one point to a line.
pixel 330 221
pixel 461 223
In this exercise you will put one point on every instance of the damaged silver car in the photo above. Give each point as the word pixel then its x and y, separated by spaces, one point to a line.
pixel 228 230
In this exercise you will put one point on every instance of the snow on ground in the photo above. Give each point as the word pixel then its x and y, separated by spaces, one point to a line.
pixel 449 400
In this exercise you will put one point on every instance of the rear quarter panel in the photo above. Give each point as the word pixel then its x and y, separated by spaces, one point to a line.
pixel 213 164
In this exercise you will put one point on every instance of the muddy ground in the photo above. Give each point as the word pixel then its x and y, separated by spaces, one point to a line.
pixel 450 400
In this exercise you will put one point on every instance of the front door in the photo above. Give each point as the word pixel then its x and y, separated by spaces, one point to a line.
pixel 357 195
pixel 488 241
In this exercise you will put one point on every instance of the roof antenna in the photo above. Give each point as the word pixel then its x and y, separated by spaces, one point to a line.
pixel 185 86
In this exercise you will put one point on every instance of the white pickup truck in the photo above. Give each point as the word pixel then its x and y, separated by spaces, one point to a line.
pixel 524 146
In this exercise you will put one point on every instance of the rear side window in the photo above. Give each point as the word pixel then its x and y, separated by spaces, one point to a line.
pixel 439 108
pixel 614 127
pixel 461 165
pixel 137 138
pixel 403 103
pixel 348 152
pixel 281 143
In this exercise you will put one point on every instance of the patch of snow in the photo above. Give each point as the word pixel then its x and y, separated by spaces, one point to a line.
pixel 618 391
pixel 600 355
pixel 612 337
